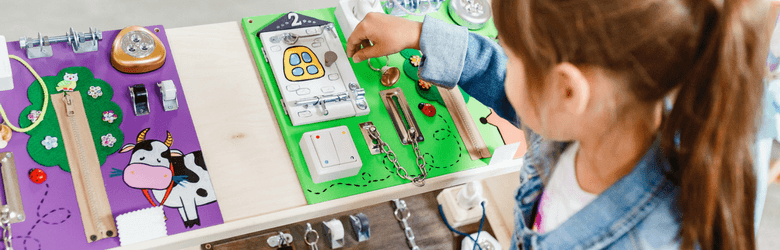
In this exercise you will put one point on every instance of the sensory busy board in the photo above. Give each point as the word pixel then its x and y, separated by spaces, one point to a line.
pixel 442 148
pixel 143 143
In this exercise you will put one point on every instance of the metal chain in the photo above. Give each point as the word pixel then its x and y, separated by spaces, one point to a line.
pixel 418 180
pixel 402 214
pixel 5 223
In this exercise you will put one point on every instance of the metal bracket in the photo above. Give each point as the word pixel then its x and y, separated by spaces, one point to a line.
pixel 280 240
pixel 168 95
pixel 13 197
pixel 334 233
pixel 360 226
pixel 394 99
pixel 43 49
pixel 81 43
pixel 359 96
pixel 140 99
pixel 373 148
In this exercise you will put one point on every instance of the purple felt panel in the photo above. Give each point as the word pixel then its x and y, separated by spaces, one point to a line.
pixel 53 218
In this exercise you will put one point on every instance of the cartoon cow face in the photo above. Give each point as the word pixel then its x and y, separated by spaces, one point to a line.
pixel 150 163
pixel 151 153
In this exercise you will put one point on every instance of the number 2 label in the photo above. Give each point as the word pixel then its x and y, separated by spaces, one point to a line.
pixel 294 17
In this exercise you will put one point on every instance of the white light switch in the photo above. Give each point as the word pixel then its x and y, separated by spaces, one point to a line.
pixel 330 154
pixel 345 147
pixel 323 145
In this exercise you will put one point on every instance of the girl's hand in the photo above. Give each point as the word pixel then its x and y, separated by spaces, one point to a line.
pixel 389 35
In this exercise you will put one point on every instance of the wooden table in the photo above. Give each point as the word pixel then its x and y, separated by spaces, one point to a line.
pixel 250 167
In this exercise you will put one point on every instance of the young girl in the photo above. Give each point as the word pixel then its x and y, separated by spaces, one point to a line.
pixel 609 164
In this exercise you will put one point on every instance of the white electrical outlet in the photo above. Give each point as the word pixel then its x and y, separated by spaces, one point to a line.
pixel 350 12
pixel 6 80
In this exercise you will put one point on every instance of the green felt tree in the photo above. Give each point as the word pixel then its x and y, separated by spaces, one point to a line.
pixel 96 103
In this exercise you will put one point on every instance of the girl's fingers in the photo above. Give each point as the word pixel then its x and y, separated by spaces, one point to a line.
pixel 357 37
pixel 366 53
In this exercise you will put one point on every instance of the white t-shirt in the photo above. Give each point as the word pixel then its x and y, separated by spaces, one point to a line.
pixel 563 196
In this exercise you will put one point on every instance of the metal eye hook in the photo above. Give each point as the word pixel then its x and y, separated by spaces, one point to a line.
pixel 309 230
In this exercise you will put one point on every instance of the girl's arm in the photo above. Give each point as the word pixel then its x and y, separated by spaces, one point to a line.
pixel 453 56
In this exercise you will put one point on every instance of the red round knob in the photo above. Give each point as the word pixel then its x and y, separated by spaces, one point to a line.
pixel 37 175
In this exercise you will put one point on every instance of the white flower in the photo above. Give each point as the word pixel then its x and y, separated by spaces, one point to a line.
pixel 49 142
pixel 34 115
pixel 109 116
pixel 108 140
pixel 95 91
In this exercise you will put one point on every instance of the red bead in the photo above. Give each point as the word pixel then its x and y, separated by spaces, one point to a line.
pixel 427 109
pixel 37 175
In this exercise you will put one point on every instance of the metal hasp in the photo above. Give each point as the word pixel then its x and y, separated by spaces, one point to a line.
pixel 168 95
pixel 81 43
pixel 360 226
pixel 13 198
pixel 140 99
pixel 393 99
pixel 402 214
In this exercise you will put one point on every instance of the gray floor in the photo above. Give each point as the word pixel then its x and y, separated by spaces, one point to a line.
pixel 28 17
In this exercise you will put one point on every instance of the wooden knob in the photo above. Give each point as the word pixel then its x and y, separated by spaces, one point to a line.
pixel 5 135
pixel 390 76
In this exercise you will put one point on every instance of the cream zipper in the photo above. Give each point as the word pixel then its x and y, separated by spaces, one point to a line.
pixel 84 166
pixel 463 121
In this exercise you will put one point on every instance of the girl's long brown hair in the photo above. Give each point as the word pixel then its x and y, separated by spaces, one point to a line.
pixel 709 52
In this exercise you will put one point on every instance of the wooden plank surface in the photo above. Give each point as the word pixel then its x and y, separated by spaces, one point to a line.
pixel 239 136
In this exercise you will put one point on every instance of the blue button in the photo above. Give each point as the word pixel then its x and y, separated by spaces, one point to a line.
pixel 295 59
pixel 297 71
pixel 312 69
pixel 306 57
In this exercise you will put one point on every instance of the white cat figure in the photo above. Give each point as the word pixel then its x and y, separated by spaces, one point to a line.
pixel 68 83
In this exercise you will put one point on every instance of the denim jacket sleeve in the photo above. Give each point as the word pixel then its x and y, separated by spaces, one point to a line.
pixel 453 56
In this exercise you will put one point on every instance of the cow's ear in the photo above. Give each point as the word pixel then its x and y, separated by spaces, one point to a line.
pixel 176 152
pixel 127 148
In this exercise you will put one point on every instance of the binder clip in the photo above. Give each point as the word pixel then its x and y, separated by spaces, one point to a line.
pixel 360 226
pixel 140 99
pixel 81 43
pixel 334 232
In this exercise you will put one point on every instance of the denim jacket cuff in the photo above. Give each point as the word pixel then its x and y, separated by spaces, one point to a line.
pixel 444 49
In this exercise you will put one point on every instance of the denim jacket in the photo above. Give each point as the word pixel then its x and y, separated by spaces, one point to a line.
pixel 639 211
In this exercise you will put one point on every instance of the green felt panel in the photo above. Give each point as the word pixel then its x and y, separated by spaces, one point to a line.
pixel 443 148
pixel 94 108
